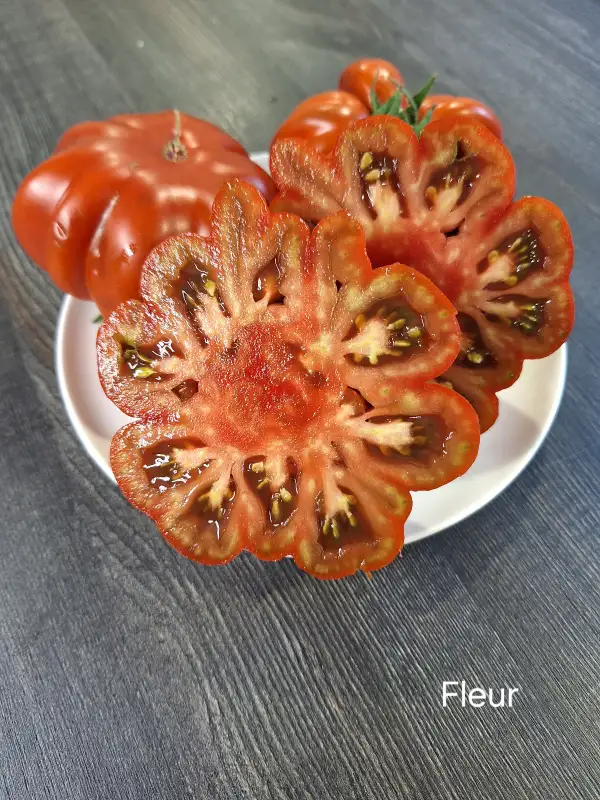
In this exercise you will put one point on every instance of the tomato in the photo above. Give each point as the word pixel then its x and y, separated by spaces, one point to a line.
pixel 113 190
pixel 361 77
pixel 283 390
pixel 442 203
pixel 321 119
pixel 324 116
pixel 445 105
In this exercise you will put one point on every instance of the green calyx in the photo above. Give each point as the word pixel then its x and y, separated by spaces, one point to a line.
pixel 410 114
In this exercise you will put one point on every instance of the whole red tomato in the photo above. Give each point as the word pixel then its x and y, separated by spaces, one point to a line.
pixel 322 118
pixel 283 428
pixel 361 77
pixel 113 190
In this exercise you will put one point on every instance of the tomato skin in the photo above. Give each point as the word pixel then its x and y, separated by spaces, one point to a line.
pixel 92 212
pixel 321 119
pixel 361 76
pixel 248 408
pixel 447 105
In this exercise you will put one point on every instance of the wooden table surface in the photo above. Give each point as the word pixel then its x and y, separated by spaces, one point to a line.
pixel 128 672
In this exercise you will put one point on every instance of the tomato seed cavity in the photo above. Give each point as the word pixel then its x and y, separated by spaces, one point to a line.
pixel 399 331
pixel 379 169
pixel 426 440
pixel 186 389
pixel 450 186
pixel 524 313
pixel 266 284
pixel 525 256
pixel 140 362
pixel 347 526
pixel 474 352
pixel 278 499
pixel 162 470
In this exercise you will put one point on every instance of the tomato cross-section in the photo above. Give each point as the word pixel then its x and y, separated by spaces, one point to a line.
pixel 442 203
pixel 284 391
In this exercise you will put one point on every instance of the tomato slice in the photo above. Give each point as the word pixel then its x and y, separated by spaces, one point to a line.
pixel 471 387
pixel 442 204
pixel 283 391
pixel 515 276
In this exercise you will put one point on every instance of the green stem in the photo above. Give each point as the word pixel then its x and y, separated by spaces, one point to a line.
pixel 393 106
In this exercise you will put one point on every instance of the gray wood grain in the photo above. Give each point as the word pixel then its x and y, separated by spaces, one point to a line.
pixel 127 672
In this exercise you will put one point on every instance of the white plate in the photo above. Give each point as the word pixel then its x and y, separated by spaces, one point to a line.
pixel 527 411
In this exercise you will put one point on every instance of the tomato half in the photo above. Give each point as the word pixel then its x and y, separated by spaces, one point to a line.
pixel 113 190
pixel 284 391
pixel 442 204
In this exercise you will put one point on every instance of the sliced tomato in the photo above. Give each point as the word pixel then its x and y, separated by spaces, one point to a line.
pixel 514 276
pixel 282 389
pixel 472 388
pixel 442 204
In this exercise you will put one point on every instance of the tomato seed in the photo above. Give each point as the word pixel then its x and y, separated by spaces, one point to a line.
pixel 366 161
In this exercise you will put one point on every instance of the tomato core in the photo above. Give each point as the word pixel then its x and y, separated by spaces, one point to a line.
pixel 264 390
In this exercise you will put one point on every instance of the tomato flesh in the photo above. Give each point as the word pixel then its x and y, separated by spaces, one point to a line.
pixel 293 420
pixel 443 204
pixel 261 376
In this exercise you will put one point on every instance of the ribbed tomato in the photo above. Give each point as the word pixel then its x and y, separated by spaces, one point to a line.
pixel 284 391
pixel 113 190
pixel 442 203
